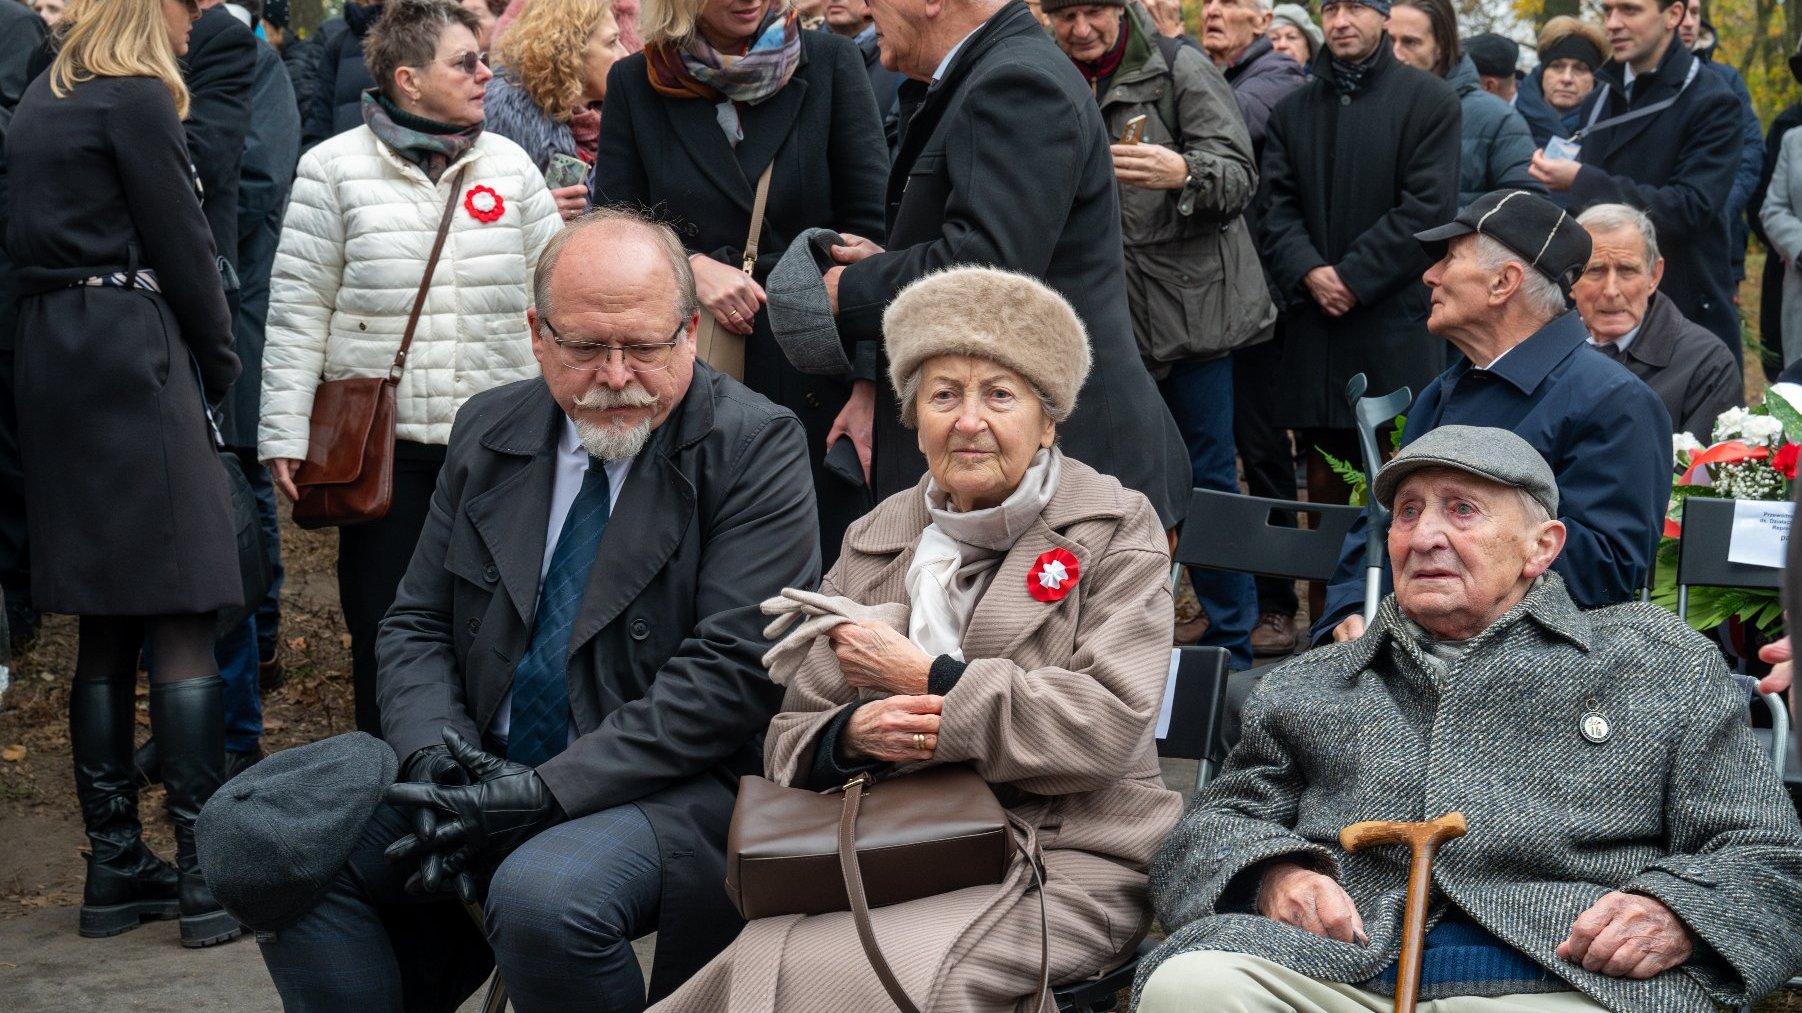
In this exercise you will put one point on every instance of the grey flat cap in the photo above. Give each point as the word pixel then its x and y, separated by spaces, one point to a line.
pixel 272 839
pixel 1495 454
pixel 800 314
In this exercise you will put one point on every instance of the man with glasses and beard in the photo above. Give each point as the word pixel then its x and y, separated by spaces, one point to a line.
pixel 570 673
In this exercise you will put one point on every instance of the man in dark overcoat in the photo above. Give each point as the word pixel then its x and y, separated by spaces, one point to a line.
pixel 1003 160
pixel 1676 163
pixel 584 603
pixel 220 70
pixel 1355 162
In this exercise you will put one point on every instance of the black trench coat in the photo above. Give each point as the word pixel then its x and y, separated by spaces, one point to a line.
pixel 125 498
pixel 1346 182
pixel 666 688
pixel 1006 163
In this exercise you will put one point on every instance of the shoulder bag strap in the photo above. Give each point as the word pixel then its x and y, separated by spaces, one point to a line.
pixel 425 282
pixel 860 907
pixel 763 198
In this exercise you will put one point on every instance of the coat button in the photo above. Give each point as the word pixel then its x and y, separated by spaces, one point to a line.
pixel 812 399
pixel 1345 100
pixel 361 326
pixel 640 629
pixel 475 626
pixel 491 573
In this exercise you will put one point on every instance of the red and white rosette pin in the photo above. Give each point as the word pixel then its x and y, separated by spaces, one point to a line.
pixel 483 204
pixel 1052 575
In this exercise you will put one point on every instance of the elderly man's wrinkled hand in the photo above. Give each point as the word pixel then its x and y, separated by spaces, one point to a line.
pixel 1627 935
pixel 1350 628
pixel 876 656
pixel 884 729
pixel 1299 896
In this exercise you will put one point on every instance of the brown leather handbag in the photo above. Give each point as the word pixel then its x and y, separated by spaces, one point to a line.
pixel 348 475
pixel 793 851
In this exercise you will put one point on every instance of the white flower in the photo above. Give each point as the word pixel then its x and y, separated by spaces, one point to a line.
pixel 1730 424
pixel 1762 430
pixel 1683 445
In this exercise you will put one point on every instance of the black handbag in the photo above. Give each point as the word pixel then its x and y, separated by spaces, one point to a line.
pixel 255 574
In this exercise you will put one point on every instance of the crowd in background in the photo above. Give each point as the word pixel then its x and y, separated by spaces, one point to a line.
pixel 1269 178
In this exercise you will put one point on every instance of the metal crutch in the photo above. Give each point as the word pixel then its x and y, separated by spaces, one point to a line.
pixel 1372 414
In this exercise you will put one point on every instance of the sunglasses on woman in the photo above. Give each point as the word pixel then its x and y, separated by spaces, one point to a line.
pixel 467 62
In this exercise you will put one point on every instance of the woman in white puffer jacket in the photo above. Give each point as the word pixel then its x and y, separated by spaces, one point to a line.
pixel 355 243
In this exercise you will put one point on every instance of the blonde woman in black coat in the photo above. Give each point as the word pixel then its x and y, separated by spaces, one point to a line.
pixel 691 122
pixel 124 338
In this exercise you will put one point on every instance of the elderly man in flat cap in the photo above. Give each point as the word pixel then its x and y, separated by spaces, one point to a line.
pixel 1629 849
pixel 1501 296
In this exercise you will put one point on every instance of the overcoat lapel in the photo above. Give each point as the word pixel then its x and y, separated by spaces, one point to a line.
pixel 767 125
pixel 653 513
pixel 1007 614
pixel 698 129
pixel 512 515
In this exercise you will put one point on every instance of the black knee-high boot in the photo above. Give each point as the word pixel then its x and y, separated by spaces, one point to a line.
pixel 188 720
pixel 126 883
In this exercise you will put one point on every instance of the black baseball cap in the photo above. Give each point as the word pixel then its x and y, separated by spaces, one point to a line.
pixel 1495 55
pixel 1548 238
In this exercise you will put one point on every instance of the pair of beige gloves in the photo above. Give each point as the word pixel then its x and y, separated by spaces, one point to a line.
pixel 816 615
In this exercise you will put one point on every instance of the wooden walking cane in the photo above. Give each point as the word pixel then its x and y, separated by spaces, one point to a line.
pixel 1424 839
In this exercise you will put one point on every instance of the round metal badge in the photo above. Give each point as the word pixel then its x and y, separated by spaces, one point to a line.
pixel 1594 727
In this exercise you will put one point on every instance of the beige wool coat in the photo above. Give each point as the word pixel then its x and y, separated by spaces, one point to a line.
pixel 1056 710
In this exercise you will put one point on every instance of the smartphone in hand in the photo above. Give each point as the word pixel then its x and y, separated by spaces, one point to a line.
pixel 1134 131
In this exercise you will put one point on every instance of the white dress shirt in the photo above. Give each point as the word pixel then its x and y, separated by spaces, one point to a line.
pixel 566 480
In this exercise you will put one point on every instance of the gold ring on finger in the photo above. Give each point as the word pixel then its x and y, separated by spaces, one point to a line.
pixel 920 742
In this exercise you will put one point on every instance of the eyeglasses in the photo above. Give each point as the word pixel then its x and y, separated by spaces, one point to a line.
pixel 639 356
pixel 467 62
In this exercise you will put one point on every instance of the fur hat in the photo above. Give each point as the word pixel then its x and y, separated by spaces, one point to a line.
pixel 1005 317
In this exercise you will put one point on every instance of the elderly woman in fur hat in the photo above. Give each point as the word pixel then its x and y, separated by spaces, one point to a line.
pixel 1011 613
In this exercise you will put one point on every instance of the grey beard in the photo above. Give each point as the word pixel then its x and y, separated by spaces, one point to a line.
pixel 611 442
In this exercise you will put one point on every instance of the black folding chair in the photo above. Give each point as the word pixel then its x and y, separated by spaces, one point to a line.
pixel 1195 700
pixel 1702 562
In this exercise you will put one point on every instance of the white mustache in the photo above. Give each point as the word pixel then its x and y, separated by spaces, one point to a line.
pixel 602 398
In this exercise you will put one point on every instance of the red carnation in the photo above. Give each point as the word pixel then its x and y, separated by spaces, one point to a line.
pixel 1785 461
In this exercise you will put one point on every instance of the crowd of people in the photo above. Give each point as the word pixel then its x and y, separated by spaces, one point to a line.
pixel 912 325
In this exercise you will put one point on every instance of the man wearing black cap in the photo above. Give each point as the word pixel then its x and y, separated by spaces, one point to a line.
pixel 1355 162
pixel 1498 64
pixel 1663 135
pixel 1500 292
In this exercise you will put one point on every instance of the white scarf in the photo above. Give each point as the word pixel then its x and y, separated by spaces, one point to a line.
pixel 958 553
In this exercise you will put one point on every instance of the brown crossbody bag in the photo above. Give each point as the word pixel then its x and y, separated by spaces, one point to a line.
pixel 348 475
pixel 794 851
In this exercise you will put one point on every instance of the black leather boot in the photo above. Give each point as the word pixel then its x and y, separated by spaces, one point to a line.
pixel 126 884
pixel 188 720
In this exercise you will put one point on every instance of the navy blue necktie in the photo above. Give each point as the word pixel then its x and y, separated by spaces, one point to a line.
pixel 540 720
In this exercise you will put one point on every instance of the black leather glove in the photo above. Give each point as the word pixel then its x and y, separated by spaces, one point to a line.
pixel 431 765
pixel 505 805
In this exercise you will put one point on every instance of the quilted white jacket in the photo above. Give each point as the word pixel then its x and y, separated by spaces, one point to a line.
pixel 354 245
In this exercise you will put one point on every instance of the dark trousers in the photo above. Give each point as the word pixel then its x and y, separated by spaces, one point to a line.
pixel 1200 397
pixel 373 557
pixel 561 915
pixel 1264 449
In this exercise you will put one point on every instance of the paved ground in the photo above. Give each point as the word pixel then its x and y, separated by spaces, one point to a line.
pixel 46 968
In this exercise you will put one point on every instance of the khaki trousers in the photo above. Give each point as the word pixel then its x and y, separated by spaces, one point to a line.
pixel 1220 982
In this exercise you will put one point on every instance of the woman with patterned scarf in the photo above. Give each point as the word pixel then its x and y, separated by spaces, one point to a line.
pixel 723 90
pixel 356 242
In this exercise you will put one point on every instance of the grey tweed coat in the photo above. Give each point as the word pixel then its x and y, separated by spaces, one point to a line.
pixel 1677 802
pixel 1056 710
